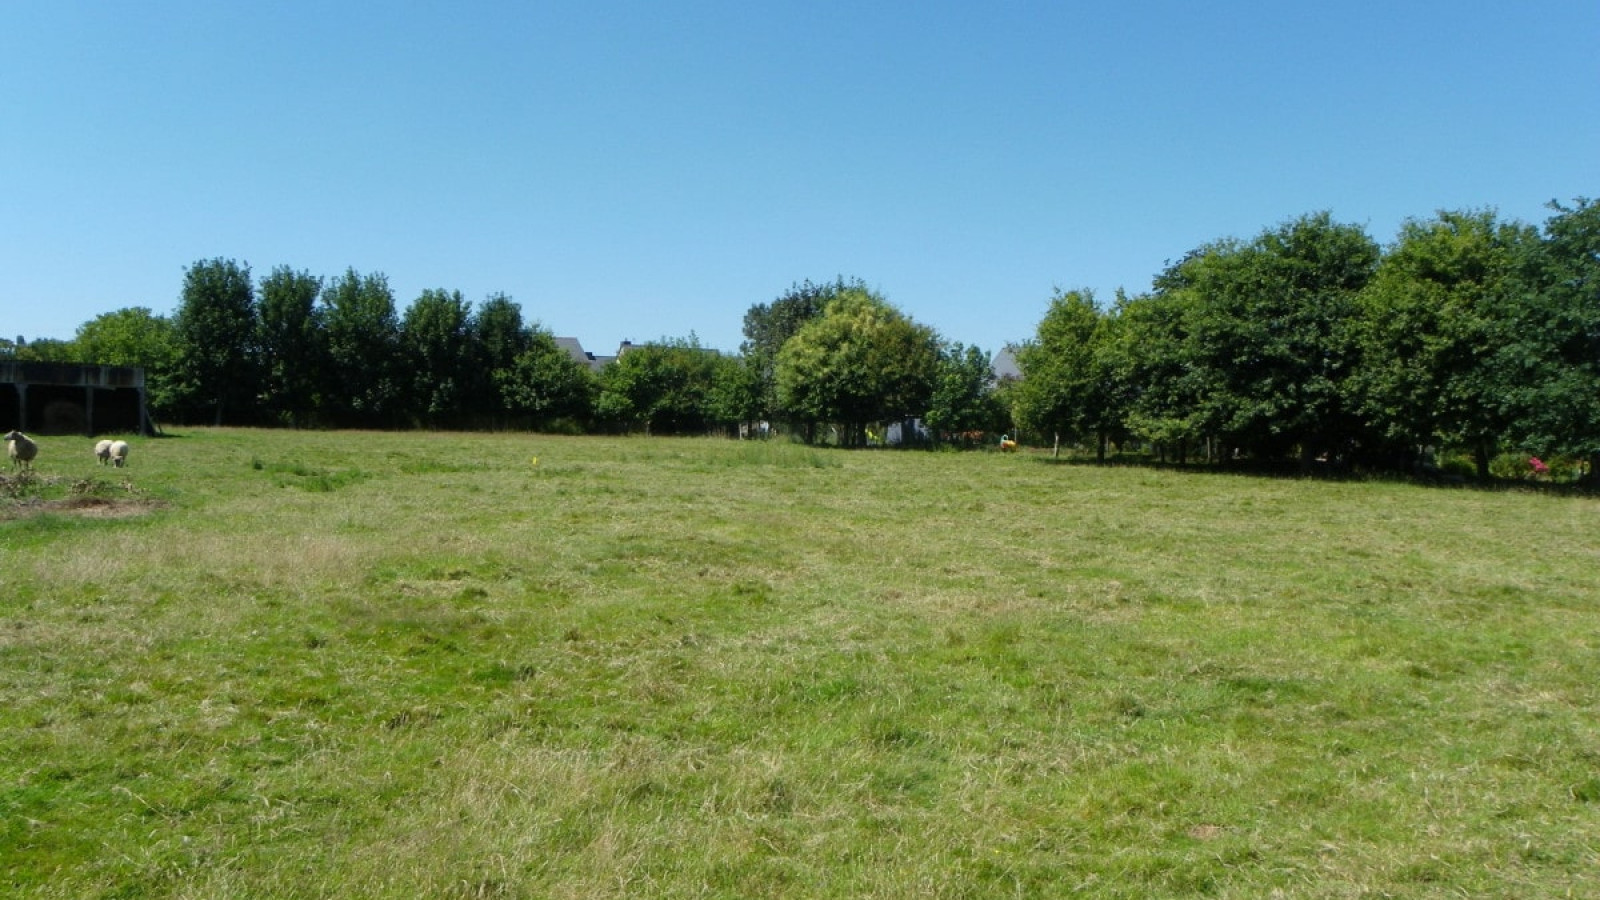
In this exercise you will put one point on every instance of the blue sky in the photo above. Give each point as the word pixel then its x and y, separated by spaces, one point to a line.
pixel 637 170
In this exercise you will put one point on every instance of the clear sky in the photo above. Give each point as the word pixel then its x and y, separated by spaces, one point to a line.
pixel 650 168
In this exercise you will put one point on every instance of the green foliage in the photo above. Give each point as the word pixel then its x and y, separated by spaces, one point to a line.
pixel 862 361
pixel 499 336
pixel 1433 320
pixel 1552 348
pixel 439 356
pixel 546 384
pixel 1466 335
pixel 365 373
pixel 42 350
pixel 736 395
pixel 768 326
pixel 664 387
pixel 1147 355
pixel 1259 339
pixel 138 338
pixel 127 337
pixel 23 485
pixel 963 398
pixel 294 350
pixel 217 371
pixel 1064 387
pixel 500 333
pixel 1518 466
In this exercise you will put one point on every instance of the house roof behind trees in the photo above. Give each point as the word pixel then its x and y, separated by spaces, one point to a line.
pixel 579 355
pixel 1004 365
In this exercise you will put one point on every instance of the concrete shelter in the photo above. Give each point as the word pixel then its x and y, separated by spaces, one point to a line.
pixel 72 398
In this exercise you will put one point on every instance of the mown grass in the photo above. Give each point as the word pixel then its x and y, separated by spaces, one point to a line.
pixel 381 665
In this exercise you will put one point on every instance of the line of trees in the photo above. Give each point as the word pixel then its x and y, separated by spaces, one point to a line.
pixel 301 351
pixel 1310 342
pixel 1469 334
pixel 298 350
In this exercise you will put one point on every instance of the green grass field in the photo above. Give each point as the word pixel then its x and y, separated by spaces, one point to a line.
pixel 281 664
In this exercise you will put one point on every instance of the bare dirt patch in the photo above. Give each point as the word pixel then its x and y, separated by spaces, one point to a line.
pixel 27 495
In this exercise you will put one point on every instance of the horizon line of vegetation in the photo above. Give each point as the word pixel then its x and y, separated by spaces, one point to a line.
pixel 1469 338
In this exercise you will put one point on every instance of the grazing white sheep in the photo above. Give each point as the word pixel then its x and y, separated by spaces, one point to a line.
pixel 21 450
pixel 102 452
pixel 119 453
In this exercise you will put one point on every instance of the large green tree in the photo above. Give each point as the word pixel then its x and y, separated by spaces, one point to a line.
pixel 498 337
pixel 499 331
pixel 1151 360
pixel 440 358
pixel 736 396
pixel 1065 390
pixel 365 373
pixel 138 338
pixel 1270 325
pixel 663 387
pixel 294 351
pixel 1433 321
pixel 134 336
pixel 863 361
pixel 768 326
pixel 963 399
pixel 1552 348
pixel 545 385
pixel 217 370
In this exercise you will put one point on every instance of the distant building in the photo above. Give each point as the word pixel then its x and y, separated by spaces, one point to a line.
pixel 575 350
pixel 579 355
pixel 1004 366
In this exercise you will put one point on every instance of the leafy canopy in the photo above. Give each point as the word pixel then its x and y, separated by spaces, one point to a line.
pixel 862 361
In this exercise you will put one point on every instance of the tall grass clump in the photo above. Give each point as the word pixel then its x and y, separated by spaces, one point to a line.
pixel 313 664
